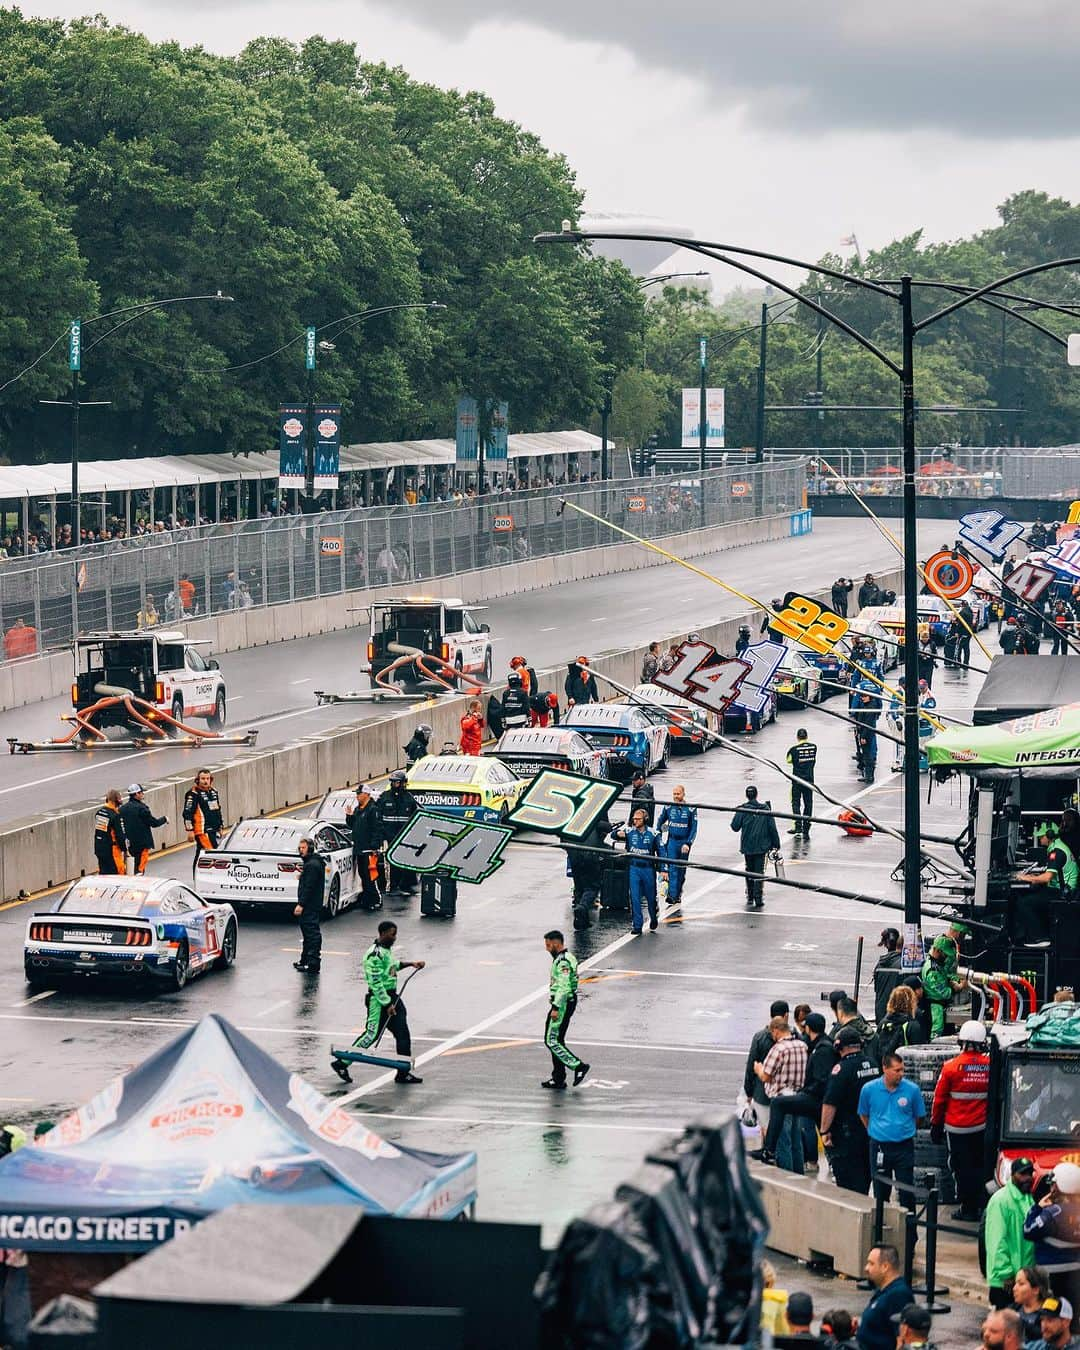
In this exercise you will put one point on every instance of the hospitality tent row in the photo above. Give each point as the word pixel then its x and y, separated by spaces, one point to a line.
pixel 239 486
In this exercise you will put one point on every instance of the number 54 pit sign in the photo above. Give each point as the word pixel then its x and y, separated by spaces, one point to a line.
pixel 433 843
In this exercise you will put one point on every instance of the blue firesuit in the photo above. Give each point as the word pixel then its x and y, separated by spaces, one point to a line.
pixel 643 846
pixel 681 822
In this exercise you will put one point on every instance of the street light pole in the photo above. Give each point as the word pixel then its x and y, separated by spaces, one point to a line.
pixel 605 413
pixel 75 364
pixel 703 414
pixel 310 359
pixel 763 348
pixel 912 787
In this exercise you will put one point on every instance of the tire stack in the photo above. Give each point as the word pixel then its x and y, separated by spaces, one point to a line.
pixel 923 1064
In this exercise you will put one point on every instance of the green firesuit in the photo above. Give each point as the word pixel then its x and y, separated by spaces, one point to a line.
pixel 380 971
pixel 562 991
pixel 938 978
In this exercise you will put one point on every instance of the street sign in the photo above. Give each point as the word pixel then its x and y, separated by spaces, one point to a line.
pixel 503 523
pixel 1073 352
pixel 75 345
pixel 637 504
pixel 309 349
pixel 741 489
pixel 332 545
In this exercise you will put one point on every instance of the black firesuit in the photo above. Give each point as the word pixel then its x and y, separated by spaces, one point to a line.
pixel 309 896
pixel 110 844
pixel 394 809
pixel 139 822
pixel 366 830
pixel 587 870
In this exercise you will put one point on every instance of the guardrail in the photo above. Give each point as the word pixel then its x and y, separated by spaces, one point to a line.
pixel 273 562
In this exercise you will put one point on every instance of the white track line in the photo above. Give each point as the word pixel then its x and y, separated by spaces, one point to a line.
pixel 659 1128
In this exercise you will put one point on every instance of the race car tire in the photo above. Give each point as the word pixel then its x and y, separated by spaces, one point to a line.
pixel 228 948
pixel 489 668
pixel 459 673
pixel 34 981
pixel 663 763
pixel 333 900
pixel 178 709
pixel 216 720
pixel 181 967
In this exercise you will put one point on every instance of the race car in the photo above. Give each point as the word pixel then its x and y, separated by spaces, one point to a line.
pixel 528 750
pixel 687 730
pixel 831 670
pixel 798 681
pixel 471 787
pixel 257 863
pixel 166 669
pixel 335 804
pixel 152 928
pixel 738 719
pixel 633 740
pixel 443 629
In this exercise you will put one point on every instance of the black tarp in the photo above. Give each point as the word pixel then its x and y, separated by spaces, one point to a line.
pixel 1019 686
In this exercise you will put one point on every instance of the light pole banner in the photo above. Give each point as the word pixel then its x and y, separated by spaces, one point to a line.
pixel 293 425
pixel 467 438
pixel 327 446
pixel 497 442
pixel 714 431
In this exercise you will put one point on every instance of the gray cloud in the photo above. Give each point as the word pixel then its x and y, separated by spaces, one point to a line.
pixel 983 69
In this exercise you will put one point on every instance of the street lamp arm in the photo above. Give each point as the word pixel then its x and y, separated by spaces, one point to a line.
pixel 706 249
pixel 1066 307
pixel 1013 313
pixel 992 286
pixel 158 304
pixel 381 309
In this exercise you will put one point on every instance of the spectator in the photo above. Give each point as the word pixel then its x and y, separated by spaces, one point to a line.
pixel 913 1326
pixel 783 1072
pixel 869 594
pixel 838 1330
pixel 841 589
pixel 186 591
pixel 1030 1290
pixel 651 664
pixel 228 591
pixel 1002 1329
pixel 804 1105
pixel 892 1294
pixel 892 1108
pixel 848 1015
pixel 900 1025
pixel 887 970
pixel 1053 1225
pixel 773 1302
pixel 148 616
pixel 800 1314
pixel 1055 1324
pixel 753 1087
pixel 21 639
pixel 15 1308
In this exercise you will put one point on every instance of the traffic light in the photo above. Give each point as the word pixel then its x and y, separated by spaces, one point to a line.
pixel 814 399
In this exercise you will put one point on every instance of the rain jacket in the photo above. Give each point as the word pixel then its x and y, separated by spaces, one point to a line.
pixel 961 1093
pixel 1007 1249
pixel 754 824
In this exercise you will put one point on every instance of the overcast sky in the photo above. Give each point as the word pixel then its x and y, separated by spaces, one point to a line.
pixel 777 124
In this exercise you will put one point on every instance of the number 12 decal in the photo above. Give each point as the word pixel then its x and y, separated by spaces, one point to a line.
pixel 565 804
pixel 810 623
pixel 432 843
pixel 702 677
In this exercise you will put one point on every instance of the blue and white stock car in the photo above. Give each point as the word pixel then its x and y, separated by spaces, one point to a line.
pixel 148 927
pixel 632 739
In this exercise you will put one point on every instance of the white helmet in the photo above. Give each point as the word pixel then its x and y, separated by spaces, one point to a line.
pixel 1067 1178
pixel 973 1032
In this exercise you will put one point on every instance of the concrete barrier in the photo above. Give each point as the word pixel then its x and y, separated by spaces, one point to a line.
pixel 32 681
pixel 816 1221
pixel 46 850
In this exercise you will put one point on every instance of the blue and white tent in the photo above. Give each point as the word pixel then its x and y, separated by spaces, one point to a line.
pixel 209 1121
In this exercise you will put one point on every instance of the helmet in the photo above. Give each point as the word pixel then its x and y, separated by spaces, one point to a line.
pixel 516 661
pixel 583 660
pixel 744 628
pixel 513 681
pixel 424 730
pixel 973 1032
pixel 134 789
pixel 694 637
pixel 1067 1178
pixel 399 776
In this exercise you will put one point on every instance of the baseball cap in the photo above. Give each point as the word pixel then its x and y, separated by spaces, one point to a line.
pixel 1067 1178
pixel 815 1022
pixel 913 1316
pixel 1022 1165
pixel 848 1036
pixel 960 927
pixel 369 788
pixel 835 995
pixel 889 936
pixel 133 788
pixel 1057 1307
pixel 800 1308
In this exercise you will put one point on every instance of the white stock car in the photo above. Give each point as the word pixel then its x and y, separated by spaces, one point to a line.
pixel 257 863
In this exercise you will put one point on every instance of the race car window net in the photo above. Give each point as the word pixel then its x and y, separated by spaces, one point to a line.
pixel 273 835
pixel 1043 1098
pixel 112 904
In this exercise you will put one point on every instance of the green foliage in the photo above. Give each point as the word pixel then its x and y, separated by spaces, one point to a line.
pixel 309 186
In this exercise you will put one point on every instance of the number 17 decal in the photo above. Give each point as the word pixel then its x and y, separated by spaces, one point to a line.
pixel 700 676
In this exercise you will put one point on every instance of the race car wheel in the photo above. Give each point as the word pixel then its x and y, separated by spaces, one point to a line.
pixel 458 674
pixel 664 759
pixel 228 948
pixel 178 708
pixel 216 720
pixel 34 982
pixel 333 900
pixel 488 666
pixel 181 966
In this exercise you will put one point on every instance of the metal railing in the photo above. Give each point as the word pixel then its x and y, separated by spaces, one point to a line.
pixel 1051 473
pixel 292 559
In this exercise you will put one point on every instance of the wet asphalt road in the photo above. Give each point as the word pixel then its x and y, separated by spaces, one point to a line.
pixel 664 1018
pixel 273 687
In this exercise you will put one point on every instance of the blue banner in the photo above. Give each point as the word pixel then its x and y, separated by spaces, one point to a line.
pixel 293 425
pixel 327 446
pixel 500 428
pixel 467 437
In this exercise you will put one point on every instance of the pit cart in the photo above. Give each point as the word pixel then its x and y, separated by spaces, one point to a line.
pixel 135 690
pixel 419 646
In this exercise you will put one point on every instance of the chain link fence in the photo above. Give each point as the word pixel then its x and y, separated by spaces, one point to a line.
pixel 163 579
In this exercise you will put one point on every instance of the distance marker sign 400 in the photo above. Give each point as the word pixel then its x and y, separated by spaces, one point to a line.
pixel 432 843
